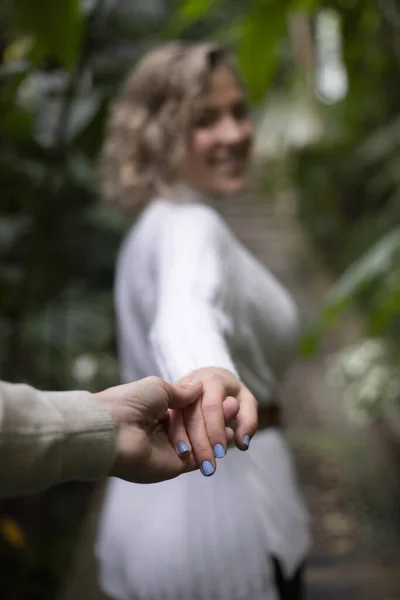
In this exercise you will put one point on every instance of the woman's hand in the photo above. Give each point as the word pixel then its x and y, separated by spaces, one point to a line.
pixel 203 427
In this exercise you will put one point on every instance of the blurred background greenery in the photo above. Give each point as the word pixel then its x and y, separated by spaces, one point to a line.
pixel 60 63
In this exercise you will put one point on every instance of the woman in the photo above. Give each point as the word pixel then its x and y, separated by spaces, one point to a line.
pixel 189 295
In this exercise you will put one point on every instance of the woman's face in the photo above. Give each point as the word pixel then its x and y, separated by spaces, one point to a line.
pixel 220 143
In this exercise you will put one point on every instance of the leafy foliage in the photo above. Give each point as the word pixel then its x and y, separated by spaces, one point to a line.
pixel 60 62
pixel 57 28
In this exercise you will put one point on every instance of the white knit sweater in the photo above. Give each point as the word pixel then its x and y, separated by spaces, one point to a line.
pixel 195 297
pixel 189 295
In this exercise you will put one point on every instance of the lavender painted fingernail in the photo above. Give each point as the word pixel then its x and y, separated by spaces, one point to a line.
pixel 246 441
pixel 207 468
pixel 182 448
pixel 219 451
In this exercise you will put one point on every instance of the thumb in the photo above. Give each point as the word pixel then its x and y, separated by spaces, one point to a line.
pixel 181 395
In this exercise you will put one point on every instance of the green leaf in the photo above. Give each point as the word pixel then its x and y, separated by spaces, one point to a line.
pixel 374 263
pixel 309 344
pixel 304 5
pixel 193 10
pixel 17 125
pixel 189 12
pixel 384 312
pixel 260 33
pixel 56 24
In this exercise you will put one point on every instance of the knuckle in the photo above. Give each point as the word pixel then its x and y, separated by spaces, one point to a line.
pixel 202 450
pixel 218 437
pixel 212 406
pixel 153 380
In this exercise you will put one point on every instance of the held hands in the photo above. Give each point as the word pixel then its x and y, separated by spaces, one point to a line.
pixel 144 453
pixel 201 430
pixel 165 430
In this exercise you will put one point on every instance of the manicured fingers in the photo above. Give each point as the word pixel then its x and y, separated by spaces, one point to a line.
pixel 214 418
pixel 246 420
pixel 177 433
pixel 197 434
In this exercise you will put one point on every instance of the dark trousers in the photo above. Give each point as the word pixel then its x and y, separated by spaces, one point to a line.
pixel 289 589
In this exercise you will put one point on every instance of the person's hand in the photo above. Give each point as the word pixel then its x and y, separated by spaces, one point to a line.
pixel 138 411
pixel 203 427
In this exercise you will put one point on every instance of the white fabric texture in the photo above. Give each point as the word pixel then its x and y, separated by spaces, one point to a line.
pixel 189 295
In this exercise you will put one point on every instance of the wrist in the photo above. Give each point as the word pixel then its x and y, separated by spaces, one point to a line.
pixel 109 406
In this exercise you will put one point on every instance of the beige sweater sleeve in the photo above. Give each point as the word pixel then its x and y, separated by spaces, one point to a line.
pixel 51 437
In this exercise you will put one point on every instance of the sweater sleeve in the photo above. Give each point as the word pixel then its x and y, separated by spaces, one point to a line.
pixel 191 322
pixel 51 437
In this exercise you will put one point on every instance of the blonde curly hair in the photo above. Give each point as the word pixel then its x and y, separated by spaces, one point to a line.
pixel 149 122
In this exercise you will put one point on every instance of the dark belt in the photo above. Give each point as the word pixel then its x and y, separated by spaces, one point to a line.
pixel 270 416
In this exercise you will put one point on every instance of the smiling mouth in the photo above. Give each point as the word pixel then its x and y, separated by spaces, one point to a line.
pixel 230 165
